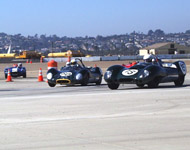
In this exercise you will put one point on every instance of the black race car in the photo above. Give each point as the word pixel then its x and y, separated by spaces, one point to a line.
pixel 75 72
pixel 150 73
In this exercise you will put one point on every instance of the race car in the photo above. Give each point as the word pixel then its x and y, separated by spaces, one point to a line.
pixel 16 71
pixel 75 72
pixel 151 72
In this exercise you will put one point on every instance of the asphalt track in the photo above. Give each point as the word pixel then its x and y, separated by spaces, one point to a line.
pixel 35 116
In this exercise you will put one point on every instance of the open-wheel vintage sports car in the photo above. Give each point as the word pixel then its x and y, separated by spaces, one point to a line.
pixel 75 72
pixel 149 72
pixel 16 71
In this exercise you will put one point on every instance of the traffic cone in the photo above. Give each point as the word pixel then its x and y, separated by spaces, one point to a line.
pixel 40 77
pixel 31 61
pixel 27 61
pixel 9 78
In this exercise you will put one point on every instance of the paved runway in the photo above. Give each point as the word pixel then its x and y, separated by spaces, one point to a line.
pixel 35 116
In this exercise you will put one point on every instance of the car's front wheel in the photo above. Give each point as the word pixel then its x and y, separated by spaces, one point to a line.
pixel 113 86
pixel 154 83
pixel 51 84
pixel 140 85
pixel 179 81
pixel 85 80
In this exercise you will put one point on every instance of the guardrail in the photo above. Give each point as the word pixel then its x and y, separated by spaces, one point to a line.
pixel 116 58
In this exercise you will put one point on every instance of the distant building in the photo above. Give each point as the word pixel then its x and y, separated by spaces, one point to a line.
pixel 165 48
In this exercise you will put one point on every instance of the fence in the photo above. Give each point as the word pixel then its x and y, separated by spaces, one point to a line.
pixel 115 58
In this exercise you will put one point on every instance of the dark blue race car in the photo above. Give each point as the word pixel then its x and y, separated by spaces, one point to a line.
pixel 74 73
pixel 150 72
pixel 16 71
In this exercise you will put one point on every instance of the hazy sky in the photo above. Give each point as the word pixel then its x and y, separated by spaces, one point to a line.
pixel 93 17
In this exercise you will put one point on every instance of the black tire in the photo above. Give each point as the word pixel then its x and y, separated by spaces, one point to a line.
pixel 24 76
pixel 113 86
pixel 179 81
pixel 51 84
pixel 85 80
pixel 5 76
pixel 99 81
pixel 153 84
pixel 140 85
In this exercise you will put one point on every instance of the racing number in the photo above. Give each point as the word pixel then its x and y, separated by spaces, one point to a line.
pixel 129 72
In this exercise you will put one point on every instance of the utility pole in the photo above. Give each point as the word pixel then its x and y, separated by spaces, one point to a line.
pixel 52 49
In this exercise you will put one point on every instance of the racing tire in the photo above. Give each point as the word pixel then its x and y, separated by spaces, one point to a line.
pixel 113 86
pixel 85 81
pixel 24 76
pixel 179 81
pixel 140 85
pixel 51 84
pixel 5 76
pixel 99 81
pixel 153 84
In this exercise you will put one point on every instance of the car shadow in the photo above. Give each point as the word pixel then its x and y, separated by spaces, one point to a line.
pixel 159 87
pixel 78 85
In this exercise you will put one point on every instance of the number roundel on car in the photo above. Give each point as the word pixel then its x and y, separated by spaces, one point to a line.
pixel 64 74
pixel 129 72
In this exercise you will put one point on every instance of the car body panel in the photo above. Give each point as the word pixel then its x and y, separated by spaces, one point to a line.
pixel 15 71
pixel 75 75
pixel 144 73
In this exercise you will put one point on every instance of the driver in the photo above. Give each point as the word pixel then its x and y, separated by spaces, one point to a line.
pixel 68 64
pixel 73 63
pixel 19 65
pixel 148 58
pixel 152 59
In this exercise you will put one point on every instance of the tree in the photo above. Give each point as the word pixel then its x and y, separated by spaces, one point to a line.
pixel 187 32
pixel 159 32
pixel 150 32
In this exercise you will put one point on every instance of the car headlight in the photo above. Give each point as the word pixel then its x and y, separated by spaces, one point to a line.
pixel 49 76
pixel 108 74
pixel 145 74
pixel 79 76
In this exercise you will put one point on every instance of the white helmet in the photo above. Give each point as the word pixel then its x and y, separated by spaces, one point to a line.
pixel 19 64
pixel 148 58
pixel 68 64
pixel 73 62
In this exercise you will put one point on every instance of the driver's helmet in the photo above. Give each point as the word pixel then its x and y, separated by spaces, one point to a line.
pixel 19 64
pixel 148 58
pixel 73 62
pixel 68 64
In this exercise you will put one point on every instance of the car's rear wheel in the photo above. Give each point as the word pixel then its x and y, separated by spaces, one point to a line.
pixel 51 84
pixel 113 86
pixel 179 81
pixel 5 76
pixel 99 81
pixel 24 76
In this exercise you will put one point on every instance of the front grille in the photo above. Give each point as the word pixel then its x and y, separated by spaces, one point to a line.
pixel 63 81
pixel 126 80
pixel 14 74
